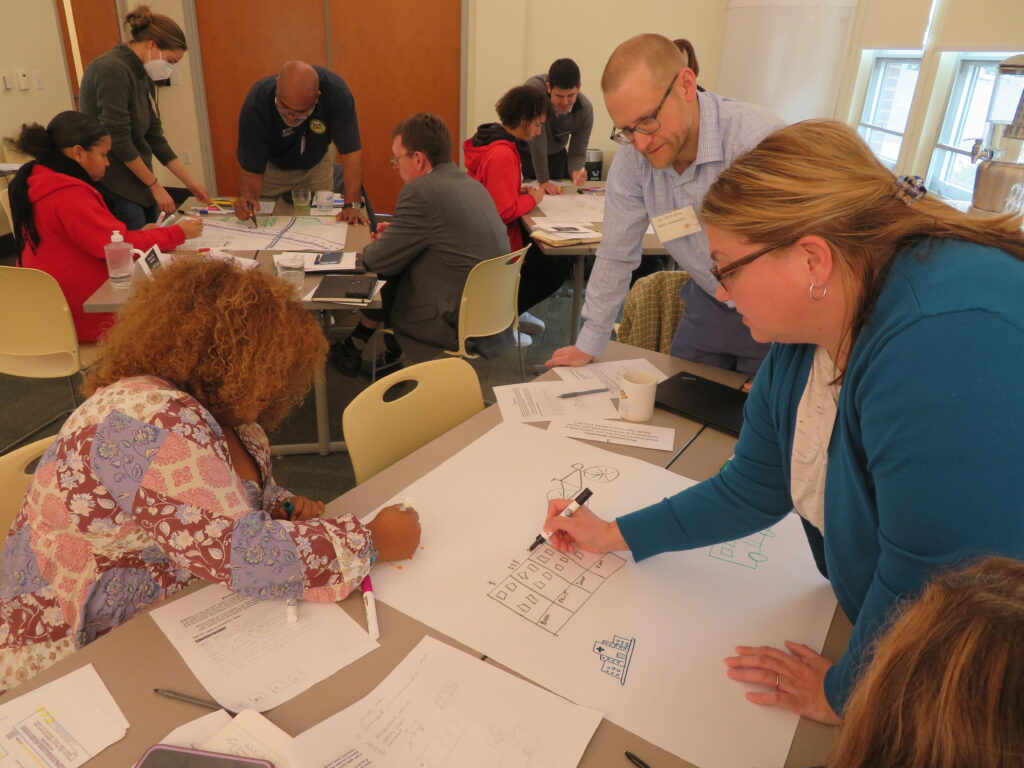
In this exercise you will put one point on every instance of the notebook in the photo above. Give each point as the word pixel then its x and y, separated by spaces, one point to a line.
pixel 345 288
pixel 703 400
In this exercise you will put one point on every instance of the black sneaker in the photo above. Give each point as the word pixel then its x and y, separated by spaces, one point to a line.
pixel 388 362
pixel 346 356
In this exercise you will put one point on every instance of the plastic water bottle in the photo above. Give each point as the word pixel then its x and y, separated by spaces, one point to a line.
pixel 119 261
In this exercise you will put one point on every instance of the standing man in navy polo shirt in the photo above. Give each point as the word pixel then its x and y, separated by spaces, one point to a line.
pixel 285 131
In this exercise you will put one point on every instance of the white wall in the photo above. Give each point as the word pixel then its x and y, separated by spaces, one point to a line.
pixel 40 50
pixel 516 39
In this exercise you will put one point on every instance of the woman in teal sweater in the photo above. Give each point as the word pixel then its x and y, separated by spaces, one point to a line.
pixel 888 415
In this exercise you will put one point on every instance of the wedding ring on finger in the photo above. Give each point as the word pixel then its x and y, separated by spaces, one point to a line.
pixel 778 679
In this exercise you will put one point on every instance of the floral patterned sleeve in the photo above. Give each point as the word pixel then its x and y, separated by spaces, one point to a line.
pixel 172 473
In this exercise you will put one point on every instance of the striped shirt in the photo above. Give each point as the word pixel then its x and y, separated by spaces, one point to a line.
pixel 637 192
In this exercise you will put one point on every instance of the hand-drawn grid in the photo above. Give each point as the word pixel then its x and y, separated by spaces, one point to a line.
pixel 550 587
pixel 748 551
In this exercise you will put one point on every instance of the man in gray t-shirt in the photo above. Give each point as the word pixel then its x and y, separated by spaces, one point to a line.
pixel 560 150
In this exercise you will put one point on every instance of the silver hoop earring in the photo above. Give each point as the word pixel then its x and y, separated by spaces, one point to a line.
pixel 810 290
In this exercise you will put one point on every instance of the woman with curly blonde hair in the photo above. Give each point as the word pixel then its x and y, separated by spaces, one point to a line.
pixel 163 475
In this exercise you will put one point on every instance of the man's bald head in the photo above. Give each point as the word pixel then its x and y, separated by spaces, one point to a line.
pixel 656 55
pixel 298 85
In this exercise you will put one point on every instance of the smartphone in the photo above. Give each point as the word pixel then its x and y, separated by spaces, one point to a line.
pixel 166 756
pixel 328 257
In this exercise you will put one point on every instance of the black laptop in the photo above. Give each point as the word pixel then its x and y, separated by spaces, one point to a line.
pixel 703 400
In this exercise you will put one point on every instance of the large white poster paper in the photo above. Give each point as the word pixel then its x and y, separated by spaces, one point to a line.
pixel 642 642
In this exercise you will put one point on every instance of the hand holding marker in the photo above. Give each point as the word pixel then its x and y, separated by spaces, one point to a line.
pixel 579 501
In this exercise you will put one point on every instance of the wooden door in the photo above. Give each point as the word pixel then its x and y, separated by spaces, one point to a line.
pixel 398 59
pixel 97 30
pixel 241 43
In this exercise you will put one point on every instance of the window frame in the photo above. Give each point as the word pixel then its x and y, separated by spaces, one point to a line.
pixel 883 59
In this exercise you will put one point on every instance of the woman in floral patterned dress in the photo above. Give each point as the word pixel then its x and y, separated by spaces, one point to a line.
pixel 162 477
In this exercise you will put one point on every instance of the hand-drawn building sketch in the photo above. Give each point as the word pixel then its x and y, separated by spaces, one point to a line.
pixel 615 655
pixel 748 551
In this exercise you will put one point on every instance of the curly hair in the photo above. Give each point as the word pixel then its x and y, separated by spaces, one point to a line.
pixel 235 339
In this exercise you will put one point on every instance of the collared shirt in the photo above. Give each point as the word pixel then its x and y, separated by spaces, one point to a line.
pixel 637 192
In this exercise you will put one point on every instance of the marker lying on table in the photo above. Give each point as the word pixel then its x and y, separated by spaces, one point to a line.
pixel 584 392
pixel 579 501
pixel 372 627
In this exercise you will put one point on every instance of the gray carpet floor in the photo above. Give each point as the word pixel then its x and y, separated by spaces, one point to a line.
pixel 25 403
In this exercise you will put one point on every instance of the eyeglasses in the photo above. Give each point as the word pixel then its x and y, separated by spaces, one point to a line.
pixel 293 112
pixel 645 125
pixel 393 162
pixel 720 273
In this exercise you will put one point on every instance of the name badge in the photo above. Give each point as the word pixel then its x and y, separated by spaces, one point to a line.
pixel 678 223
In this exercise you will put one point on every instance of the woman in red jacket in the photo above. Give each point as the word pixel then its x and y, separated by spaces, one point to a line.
pixel 492 158
pixel 61 220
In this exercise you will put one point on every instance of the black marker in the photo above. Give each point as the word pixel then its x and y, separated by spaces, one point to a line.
pixel 579 501
pixel 252 213
pixel 636 760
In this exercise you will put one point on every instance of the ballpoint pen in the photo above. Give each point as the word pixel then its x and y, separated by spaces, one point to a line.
pixel 636 760
pixel 579 501
pixel 584 392
pixel 190 699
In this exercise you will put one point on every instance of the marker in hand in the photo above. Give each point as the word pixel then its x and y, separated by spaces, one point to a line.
pixel 579 501
pixel 372 625
pixel 252 214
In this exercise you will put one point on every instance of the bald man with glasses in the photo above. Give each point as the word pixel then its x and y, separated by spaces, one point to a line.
pixel 675 142
pixel 286 127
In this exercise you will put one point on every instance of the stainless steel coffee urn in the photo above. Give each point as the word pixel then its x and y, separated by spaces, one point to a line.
pixel 1002 151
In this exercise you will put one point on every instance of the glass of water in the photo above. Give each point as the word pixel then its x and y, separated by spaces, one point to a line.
pixel 291 267
pixel 325 201
pixel 301 199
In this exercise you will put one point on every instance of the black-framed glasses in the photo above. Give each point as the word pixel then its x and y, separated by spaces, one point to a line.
pixel 393 162
pixel 645 125
pixel 720 273
pixel 293 112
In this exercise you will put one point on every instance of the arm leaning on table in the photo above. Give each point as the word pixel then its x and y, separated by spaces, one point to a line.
pixel 625 220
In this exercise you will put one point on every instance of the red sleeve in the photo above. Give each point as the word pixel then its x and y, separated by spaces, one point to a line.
pixel 89 222
pixel 502 177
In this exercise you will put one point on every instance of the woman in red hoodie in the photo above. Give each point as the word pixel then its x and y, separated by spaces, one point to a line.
pixel 61 220
pixel 492 158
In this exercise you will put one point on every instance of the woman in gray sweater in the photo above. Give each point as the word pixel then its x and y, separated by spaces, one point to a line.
pixel 118 89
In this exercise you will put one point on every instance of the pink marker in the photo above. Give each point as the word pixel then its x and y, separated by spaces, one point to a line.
pixel 372 627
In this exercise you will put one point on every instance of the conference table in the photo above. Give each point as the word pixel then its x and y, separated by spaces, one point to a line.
pixel 108 299
pixel 136 657
pixel 651 246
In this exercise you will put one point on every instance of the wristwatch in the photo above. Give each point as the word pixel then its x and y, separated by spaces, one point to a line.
pixel 354 206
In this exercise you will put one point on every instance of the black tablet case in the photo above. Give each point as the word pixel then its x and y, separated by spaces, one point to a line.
pixel 703 400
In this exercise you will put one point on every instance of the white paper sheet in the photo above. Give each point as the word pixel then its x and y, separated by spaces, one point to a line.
pixel 441 708
pixel 618 432
pixel 285 233
pixel 607 374
pixel 195 733
pixel 574 208
pixel 540 401
pixel 61 724
pixel 248 656
pixel 353 303
pixel 250 734
pixel 644 642
pixel 348 261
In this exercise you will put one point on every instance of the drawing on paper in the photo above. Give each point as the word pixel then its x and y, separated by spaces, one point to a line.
pixel 574 481
pixel 615 655
pixel 549 587
pixel 748 551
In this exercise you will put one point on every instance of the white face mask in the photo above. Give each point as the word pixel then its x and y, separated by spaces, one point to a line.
pixel 158 69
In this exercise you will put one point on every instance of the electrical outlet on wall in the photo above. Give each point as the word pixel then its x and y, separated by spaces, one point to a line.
pixel 37 79
pixel 6 81
pixel 22 80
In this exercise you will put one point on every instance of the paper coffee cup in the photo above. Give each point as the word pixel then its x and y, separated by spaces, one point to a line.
pixel 636 395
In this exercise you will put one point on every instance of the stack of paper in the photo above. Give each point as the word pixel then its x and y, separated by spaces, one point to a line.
pixel 61 724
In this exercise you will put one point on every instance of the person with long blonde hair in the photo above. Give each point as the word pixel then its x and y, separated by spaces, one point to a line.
pixel 946 686
pixel 888 412
pixel 162 476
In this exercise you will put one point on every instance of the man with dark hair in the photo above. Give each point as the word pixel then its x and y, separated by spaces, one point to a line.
pixel 444 224
pixel 561 149
pixel 492 157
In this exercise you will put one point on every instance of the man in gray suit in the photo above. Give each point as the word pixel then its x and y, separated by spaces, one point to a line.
pixel 445 223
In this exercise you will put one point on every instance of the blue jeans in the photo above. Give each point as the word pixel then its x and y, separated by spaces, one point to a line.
pixel 133 215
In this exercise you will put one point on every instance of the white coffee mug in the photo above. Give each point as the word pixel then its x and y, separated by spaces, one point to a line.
pixel 636 395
